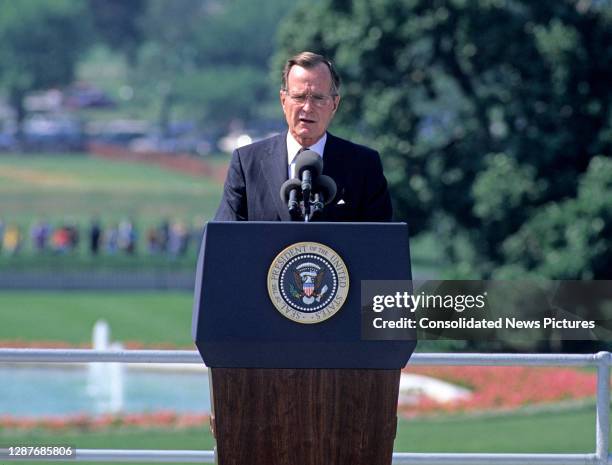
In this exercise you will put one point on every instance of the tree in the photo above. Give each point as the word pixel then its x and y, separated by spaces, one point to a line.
pixel 41 42
pixel 209 59
pixel 493 117
pixel 117 23
pixel 167 52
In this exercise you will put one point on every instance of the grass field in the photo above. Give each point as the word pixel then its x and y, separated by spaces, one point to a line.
pixel 79 186
pixel 69 317
pixel 83 261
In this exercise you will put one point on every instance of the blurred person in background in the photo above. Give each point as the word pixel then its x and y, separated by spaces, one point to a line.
pixel 95 235
pixel 11 241
pixel 163 235
pixel 178 240
pixel 126 237
pixel 39 234
pixel 152 237
pixel 61 240
pixel 110 239
pixel 73 235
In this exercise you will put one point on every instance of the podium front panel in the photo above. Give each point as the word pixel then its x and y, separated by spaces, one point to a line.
pixel 235 323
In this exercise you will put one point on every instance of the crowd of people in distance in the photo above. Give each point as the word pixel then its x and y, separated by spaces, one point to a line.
pixel 170 238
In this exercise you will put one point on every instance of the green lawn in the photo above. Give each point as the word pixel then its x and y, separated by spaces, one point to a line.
pixel 83 261
pixel 569 431
pixel 79 186
pixel 148 317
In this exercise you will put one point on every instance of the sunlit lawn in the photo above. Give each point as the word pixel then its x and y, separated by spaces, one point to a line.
pixel 148 317
pixel 79 186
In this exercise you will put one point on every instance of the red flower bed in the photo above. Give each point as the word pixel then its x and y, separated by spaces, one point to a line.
pixel 492 388
pixel 503 388
pixel 183 163
pixel 165 419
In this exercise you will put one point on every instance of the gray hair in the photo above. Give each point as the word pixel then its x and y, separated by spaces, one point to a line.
pixel 309 60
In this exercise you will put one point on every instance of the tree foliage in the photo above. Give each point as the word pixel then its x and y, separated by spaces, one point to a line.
pixel 201 59
pixel 210 59
pixel 41 43
pixel 117 23
pixel 493 117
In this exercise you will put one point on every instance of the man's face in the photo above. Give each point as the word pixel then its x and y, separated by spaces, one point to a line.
pixel 308 104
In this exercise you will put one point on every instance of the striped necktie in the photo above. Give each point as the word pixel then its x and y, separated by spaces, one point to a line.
pixel 292 164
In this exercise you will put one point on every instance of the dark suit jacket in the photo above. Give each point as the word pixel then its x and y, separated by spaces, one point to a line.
pixel 257 171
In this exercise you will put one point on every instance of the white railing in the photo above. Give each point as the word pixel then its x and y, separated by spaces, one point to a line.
pixel 601 360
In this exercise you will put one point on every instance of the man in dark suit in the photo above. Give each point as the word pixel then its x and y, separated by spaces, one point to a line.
pixel 309 97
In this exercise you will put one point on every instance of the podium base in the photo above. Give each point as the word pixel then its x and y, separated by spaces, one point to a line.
pixel 304 416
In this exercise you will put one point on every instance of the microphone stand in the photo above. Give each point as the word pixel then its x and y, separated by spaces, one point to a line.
pixel 306 188
pixel 317 204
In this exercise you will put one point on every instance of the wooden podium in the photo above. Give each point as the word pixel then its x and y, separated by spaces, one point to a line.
pixel 286 393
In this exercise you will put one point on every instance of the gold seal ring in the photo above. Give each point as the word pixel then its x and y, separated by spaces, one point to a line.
pixel 308 282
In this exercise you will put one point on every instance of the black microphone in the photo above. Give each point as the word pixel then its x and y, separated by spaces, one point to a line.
pixel 326 186
pixel 289 193
pixel 324 193
pixel 308 166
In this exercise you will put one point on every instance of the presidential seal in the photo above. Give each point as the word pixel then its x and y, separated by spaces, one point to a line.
pixel 308 282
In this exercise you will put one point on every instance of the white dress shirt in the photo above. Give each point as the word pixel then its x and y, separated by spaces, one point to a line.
pixel 293 147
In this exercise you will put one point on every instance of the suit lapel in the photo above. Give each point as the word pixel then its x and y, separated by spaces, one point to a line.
pixel 332 159
pixel 274 170
pixel 334 166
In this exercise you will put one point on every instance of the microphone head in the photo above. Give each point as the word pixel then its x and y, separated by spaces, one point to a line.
pixel 288 186
pixel 308 160
pixel 326 186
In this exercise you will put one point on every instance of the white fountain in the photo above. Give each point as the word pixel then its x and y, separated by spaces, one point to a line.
pixel 105 380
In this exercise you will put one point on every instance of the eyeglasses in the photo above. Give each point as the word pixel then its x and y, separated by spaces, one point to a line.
pixel 317 100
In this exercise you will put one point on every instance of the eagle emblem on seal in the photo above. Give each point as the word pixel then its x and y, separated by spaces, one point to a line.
pixel 308 283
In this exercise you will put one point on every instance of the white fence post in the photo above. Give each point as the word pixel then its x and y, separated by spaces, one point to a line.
pixel 602 420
